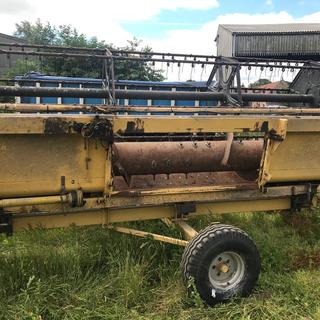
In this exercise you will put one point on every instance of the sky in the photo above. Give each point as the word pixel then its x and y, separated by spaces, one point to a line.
pixel 187 26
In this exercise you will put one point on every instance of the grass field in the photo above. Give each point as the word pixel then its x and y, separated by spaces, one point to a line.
pixel 91 273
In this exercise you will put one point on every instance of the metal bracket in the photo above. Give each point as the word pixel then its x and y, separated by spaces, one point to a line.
pixel 108 82
pixel 299 201
pixel 225 86
pixel 62 185
pixel 184 208
pixel 273 135
pixel 6 224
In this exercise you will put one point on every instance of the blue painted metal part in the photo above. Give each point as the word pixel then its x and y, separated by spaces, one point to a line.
pixel 72 82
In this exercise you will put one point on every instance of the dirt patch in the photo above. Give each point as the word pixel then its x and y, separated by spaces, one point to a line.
pixel 304 222
pixel 306 260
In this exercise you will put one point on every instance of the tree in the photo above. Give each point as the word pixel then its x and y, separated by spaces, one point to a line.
pixel 66 35
pixel 37 33
pixel 138 70
pixel 22 67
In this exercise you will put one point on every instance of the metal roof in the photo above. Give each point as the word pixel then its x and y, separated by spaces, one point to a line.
pixel 272 28
pixel 36 76
pixel 11 38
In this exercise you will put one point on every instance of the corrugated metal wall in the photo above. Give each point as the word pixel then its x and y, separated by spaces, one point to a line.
pixel 224 42
pixel 6 62
pixel 273 45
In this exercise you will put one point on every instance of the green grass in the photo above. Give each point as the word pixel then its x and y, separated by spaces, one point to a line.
pixel 91 273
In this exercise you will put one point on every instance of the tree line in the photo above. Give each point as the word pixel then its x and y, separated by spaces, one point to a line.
pixel 66 35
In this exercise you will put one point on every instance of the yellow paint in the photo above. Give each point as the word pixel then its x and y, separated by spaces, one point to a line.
pixel 106 216
pixel 294 159
pixel 149 235
pixel 33 162
pixel 188 231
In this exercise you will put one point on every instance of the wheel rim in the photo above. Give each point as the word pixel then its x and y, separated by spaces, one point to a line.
pixel 226 270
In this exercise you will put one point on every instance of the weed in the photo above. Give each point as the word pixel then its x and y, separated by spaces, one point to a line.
pixel 92 273
pixel 194 295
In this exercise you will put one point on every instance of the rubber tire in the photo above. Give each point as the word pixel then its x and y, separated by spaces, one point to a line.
pixel 209 243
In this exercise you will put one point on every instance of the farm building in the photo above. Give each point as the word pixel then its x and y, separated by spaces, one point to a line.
pixel 277 85
pixel 294 41
pixel 285 41
pixel 6 62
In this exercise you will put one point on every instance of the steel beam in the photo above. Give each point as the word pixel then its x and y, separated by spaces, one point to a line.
pixel 149 94
pixel 105 217
pixel 188 231
pixel 47 108
pixel 5 203
pixel 154 236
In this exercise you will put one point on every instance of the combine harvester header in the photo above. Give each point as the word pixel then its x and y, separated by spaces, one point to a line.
pixel 102 166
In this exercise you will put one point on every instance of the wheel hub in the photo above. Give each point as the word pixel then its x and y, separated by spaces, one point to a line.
pixel 226 270
pixel 223 267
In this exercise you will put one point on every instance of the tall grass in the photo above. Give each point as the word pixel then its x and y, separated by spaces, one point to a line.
pixel 92 273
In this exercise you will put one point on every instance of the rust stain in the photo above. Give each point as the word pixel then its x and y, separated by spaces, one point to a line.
pixel 150 182
pixel 136 126
pixel 56 126
pixel 143 158
pixel 265 126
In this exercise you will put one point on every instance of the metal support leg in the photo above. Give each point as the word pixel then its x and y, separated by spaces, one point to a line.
pixel 188 231
pixel 150 235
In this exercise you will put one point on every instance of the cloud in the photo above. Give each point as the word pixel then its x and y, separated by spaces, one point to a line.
pixel 311 18
pixel 14 6
pixel 201 40
pixel 101 18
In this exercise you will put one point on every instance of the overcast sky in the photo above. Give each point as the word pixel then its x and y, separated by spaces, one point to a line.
pixel 169 25
pixel 188 26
